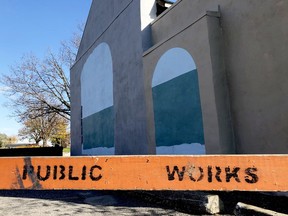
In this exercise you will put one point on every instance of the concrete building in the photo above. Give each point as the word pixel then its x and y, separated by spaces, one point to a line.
pixel 203 77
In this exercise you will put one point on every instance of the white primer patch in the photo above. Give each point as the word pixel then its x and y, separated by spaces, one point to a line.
pixel 183 149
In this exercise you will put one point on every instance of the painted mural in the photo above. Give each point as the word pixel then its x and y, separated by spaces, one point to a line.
pixel 176 104
pixel 97 102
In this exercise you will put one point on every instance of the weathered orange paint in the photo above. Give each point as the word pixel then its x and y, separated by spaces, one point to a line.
pixel 221 172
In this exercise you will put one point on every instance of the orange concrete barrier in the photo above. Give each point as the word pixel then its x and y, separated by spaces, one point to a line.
pixel 229 173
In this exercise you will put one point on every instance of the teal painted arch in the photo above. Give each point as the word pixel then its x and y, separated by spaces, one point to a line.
pixel 176 104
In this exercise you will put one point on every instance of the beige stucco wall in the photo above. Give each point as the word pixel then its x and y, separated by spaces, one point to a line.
pixel 255 54
pixel 125 42
pixel 203 40
pixel 241 58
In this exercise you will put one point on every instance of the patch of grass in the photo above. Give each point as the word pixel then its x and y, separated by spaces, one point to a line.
pixel 67 150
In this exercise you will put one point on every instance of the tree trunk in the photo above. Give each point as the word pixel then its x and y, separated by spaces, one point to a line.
pixel 44 142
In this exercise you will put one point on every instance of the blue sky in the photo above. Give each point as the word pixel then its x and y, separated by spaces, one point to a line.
pixel 34 26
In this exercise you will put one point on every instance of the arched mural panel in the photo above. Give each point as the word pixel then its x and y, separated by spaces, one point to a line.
pixel 176 104
pixel 97 102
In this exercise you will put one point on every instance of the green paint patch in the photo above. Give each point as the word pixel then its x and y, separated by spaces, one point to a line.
pixel 177 111
pixel 98 129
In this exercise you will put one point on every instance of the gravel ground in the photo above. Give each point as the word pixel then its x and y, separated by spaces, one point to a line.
pixel 28 202
pixel 76 203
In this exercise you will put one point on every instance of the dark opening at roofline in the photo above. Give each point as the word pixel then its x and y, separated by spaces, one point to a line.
pixel 161 7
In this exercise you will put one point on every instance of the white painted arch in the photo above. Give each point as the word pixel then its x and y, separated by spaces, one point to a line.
pixel 97 81
pixel 173 63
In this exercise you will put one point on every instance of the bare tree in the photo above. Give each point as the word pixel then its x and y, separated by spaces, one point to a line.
pixel 41 87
